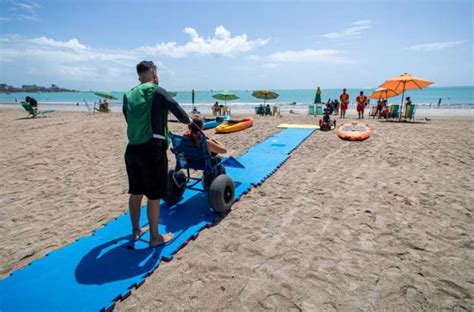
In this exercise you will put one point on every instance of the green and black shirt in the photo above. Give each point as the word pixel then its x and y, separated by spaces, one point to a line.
pixel 146 108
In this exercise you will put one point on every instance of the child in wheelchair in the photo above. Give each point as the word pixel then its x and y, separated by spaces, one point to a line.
pixel 215 147
pixel 326 123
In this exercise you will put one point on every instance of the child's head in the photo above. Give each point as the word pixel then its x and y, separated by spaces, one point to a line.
pixel 197 120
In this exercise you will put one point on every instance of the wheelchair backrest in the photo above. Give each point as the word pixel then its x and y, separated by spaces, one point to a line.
pixel 188 155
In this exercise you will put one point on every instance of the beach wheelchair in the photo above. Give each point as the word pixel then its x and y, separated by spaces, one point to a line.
pixel 219 186
pixel 325 123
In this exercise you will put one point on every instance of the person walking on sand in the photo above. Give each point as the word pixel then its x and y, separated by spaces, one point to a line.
pixel 344 98
pixel 145 108
pixel 361 104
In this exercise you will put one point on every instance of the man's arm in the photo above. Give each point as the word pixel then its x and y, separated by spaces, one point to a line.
pixel 174 107
pixel 124 110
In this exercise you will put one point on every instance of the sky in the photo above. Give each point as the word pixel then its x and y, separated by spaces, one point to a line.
pixel 236 45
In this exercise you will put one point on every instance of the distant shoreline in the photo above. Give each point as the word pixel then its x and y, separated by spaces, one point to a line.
pixel 299 110
pixel 218 90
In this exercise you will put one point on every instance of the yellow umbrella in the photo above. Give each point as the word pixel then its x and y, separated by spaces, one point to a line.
pixel 383 93
pixel 405 82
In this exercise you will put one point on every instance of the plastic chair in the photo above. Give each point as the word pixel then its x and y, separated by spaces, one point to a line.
pixel 393 112
pixel 35 113
pixel 319 110
pixel 373 112
pixel 410 112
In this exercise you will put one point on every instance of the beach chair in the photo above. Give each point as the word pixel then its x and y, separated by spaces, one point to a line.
pixel 34 113
pixel 373 112
pixel 276 111
pixel 410 112
pixel 226 110
pixel 103 108
pixel 393 112
pixel 267 110
pixel 319 110
pixel 218 185
pixel 258 110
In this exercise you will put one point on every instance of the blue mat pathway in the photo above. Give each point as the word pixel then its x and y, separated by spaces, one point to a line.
pixel 96 271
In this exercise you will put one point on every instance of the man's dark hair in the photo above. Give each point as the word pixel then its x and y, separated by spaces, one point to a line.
pixel 144 66
pixel 27 99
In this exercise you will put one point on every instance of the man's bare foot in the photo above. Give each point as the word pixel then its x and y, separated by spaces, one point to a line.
pixel 160 240
pixel 136 233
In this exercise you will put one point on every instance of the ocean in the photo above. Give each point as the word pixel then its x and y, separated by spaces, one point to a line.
pixel 451 97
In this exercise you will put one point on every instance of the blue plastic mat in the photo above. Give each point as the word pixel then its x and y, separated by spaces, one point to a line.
pixel 95 271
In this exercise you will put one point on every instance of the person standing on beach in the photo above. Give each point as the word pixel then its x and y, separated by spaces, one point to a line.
pixel 145 108
pixel 344 98
pixel 407 104
pixel 361 104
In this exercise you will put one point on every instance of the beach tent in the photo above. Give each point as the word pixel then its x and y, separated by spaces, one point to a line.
pixel 405 82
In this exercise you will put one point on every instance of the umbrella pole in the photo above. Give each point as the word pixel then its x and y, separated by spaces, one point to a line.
pixel 401 106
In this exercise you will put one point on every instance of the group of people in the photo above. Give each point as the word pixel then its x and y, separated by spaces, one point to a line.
pixel 332 106
pixel 361 100
pixel 104 106
pixel 263 110
pixel 340 106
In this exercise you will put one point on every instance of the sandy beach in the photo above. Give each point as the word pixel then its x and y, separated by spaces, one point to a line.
pixel 380 225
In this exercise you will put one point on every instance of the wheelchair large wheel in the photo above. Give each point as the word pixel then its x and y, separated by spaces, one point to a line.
pixel 207 180
pixel 175 191
pixel 221 194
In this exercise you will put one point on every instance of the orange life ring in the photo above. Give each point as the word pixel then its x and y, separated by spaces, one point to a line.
pixel 354 131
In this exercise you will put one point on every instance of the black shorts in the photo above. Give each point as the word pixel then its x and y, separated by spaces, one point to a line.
pixel 147 169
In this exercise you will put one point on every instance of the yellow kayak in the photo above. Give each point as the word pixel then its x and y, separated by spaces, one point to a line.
pixel 234 125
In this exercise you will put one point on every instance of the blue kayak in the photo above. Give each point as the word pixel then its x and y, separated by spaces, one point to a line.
pixel 212 123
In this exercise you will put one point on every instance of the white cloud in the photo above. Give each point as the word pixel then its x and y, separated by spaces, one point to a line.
pixel 4 19
pixel 73 43
pixel 72 63
pixel 353 30
pixel 435 45
pixel 221 44
pixel 22 11
pixel 27 17
pixel 310 55
pixel 24 6
pixel 69 62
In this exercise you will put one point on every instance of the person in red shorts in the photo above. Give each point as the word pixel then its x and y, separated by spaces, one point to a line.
pixel 361 103
pixel 344 98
